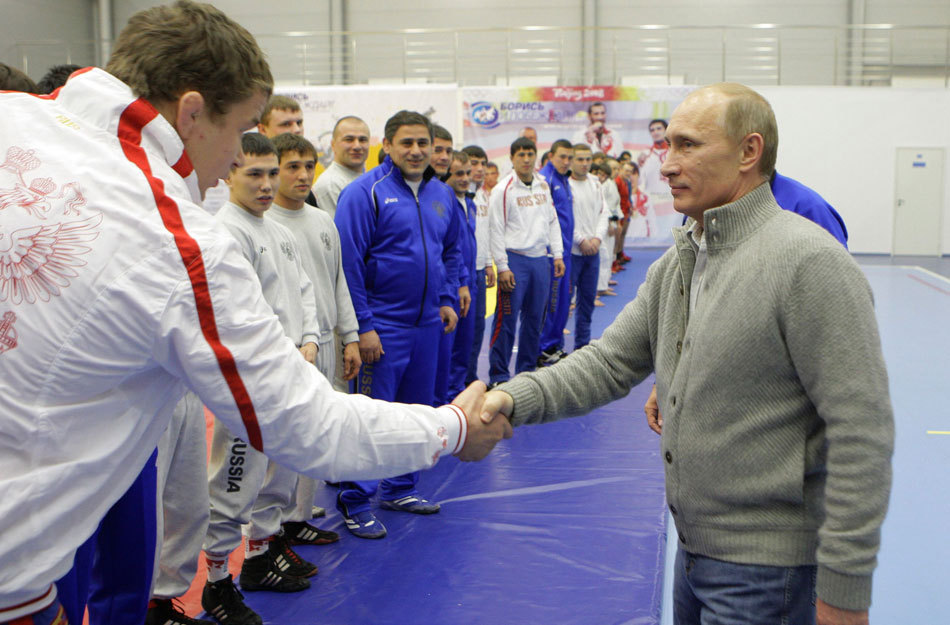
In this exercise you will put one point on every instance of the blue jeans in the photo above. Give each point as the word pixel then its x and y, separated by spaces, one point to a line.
pixel 713 592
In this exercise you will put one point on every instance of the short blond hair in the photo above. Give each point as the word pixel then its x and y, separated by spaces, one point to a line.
pixel 747 112
pixel 166 51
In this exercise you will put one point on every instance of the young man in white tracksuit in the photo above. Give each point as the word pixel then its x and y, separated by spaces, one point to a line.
pixel 590 230
pixel 319 245
pixel 245 487
pixel 524 227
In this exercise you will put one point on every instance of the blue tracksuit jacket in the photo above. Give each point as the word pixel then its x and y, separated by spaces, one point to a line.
pixel 401 255
pixel 563 203
pixel 796 197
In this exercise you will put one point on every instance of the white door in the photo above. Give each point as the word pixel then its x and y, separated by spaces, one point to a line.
pixel 919 201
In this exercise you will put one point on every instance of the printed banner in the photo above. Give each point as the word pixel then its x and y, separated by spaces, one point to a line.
pixel 323 106
pixel 609 119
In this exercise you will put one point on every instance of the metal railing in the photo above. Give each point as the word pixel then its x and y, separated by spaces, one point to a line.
pixel 760 54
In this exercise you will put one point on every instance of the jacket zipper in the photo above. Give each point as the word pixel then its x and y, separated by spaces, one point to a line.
pixel 425 253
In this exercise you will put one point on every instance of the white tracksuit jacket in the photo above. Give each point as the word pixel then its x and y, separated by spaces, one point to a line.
pixel 116 292
pixel 523 220
pixel 590 212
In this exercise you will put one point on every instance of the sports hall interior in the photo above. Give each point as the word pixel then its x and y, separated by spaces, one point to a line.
pixel 567 523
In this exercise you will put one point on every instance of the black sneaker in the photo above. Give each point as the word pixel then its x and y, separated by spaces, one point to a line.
pixel 288 560
pixel 549 356
pixel 225 603
pixel 263 573
pixel 302 533
pixel 166 612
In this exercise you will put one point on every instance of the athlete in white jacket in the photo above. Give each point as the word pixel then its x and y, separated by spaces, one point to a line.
pixel 590 230
pixel 118 292
pixel 523 228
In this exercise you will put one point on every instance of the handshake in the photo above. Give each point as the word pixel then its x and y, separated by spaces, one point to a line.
pixel 487 414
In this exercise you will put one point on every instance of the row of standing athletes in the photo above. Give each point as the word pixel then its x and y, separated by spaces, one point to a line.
pixel 390 274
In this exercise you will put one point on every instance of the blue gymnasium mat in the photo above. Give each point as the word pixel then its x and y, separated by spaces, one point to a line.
pixel 563 524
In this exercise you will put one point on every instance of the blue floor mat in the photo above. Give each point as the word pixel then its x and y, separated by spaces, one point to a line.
pixel 563 524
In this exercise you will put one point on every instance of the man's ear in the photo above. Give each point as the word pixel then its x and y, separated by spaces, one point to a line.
pixel 752 148
pixel 191 105
pixel 387 145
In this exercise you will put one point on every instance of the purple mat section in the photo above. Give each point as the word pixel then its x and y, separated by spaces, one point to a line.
pixel 565 524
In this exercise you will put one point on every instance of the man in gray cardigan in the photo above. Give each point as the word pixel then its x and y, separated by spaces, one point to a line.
pixel 778 427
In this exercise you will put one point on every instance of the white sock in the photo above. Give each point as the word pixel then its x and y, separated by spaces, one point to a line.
pixel 217 567
pixel 255 547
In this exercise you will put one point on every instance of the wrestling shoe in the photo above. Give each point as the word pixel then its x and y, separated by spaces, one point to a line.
pixel 410 503
pixel 365 525
pixel 225 603
pixel 317 512
pixel 302 533
pixel 624 259
pixel 288 561
pixel 549 357
pixel 166 612
pixel 263 573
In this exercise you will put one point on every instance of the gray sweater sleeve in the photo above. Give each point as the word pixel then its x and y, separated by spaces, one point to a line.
pixel 601 372
pixel 833 341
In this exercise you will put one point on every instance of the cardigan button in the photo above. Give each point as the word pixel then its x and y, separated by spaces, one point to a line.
pixel 669 458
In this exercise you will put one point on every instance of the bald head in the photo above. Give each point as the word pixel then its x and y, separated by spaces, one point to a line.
pixel 350 142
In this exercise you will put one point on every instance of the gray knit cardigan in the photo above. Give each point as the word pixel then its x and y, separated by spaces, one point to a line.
pixel 778 429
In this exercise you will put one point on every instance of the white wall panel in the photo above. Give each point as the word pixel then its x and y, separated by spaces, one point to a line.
pixel 67 20
pixel 841 141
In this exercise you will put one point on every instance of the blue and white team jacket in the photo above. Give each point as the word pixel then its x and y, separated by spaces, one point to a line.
pixel 400 254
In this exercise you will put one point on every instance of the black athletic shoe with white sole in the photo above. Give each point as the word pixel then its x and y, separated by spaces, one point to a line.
pixel 166 612
pixel 223 601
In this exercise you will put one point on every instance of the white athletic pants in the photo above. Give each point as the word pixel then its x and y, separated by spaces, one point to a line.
pixel 606 261
pixel 301 506
pixel 182 498
pixel 245 488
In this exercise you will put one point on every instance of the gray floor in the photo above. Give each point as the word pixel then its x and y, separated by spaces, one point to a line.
pixel 936 264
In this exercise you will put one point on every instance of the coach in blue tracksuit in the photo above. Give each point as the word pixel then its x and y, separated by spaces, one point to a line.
pixel 557 172
pixel 398 232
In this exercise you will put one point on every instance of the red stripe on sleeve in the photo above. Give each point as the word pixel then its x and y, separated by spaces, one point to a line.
pixel 133 119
